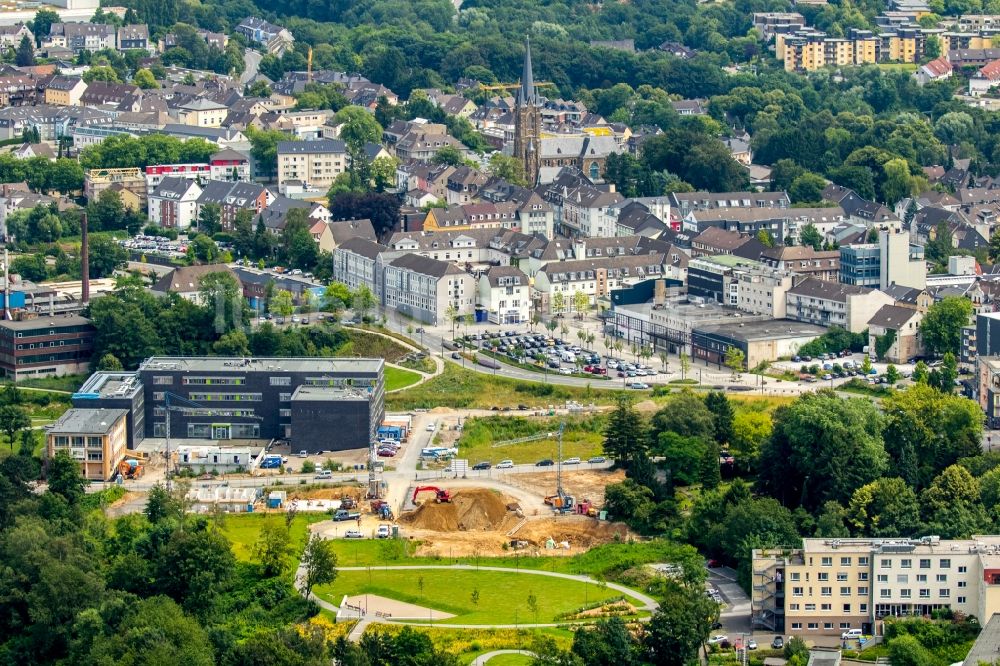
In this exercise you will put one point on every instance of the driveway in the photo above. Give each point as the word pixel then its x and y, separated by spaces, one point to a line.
pixel 735 617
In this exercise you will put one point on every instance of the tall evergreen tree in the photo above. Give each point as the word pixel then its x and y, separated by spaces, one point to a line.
pixel 25 56
pixel 722 416
pixel 625 436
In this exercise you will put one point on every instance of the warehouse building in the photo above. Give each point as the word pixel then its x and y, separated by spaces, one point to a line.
pixel 760 341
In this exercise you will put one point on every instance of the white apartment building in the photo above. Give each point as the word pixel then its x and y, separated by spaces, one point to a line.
pixel 762 291
pixel 505 294
pixel 314 163
pixel 901 262
pixel 831 585
pixel 596 278
pixel 425 288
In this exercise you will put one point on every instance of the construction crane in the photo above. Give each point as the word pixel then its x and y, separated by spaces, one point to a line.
pixel 192 408
pixel 560 501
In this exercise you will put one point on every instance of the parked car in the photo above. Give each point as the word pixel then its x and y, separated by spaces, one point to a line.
pixel 718 638
pixel 505 464
pixel 386 453
pixel 303 454
pixel 547 462
pixel 778 643
pixel 353 534
pixel 851 634
pixel 382 532
pixel 481 465
pixel 751 644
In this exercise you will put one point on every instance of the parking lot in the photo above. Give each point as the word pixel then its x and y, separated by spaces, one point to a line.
pixel 560 356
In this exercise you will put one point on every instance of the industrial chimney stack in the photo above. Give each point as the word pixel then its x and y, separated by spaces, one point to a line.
pixel 84 262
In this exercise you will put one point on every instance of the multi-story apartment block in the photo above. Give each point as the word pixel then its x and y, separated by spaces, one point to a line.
pixel 505 294
pixel 314 163
pixel 831 585
pixel 174 203
pixel 427 289
pixel 834 304
pixel 356 264
pixel 82 36
pixel 595 278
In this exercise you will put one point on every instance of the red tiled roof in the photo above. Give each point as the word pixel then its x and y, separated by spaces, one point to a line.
pixel 991 71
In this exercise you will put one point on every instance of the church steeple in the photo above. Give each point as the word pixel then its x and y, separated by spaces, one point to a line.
pixel 528 122
pixel 527 95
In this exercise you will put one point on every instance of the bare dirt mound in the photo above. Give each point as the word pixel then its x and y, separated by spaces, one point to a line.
pixel 578 531
pixel 470 509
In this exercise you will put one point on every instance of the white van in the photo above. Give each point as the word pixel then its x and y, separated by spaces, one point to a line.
pixel 567 356
pixel 431 426
pixel 324 474
pixel 851 634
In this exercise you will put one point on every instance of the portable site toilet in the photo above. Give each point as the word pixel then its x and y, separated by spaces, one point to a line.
pixel 276 499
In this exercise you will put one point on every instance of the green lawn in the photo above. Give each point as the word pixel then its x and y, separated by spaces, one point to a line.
pixel 582 438
pixel 243 529
pixel 68 383
pixel 461 388
pixel 510 660
pixel 397 378
pixel 503 597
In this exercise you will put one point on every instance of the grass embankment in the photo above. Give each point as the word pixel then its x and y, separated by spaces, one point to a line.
pixel 583 437
pixel 460 388
pixel 370 345
pixel 68 383
pixel 397 378
pixel 503 598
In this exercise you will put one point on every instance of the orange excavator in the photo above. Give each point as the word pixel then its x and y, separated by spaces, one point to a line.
pixel 440 494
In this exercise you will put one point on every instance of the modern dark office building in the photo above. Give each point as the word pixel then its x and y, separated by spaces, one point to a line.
pixel 319 404
pixel 116 390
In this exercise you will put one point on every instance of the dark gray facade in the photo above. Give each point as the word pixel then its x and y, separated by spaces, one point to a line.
pixel 330 419
pixel 116 390
pixel 252 398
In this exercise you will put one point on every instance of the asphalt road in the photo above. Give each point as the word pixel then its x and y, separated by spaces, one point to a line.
pixel 252 59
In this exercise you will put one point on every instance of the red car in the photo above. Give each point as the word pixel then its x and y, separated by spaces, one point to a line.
pixel 588 368
pixel 386 453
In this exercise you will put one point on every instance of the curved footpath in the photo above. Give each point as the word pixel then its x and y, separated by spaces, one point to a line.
pixel 424 376
pixel 483 658
pixel 648 603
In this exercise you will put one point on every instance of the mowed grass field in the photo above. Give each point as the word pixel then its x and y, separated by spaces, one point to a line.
pixel 503 596
pixel 243 530
pixel 397 378
pixel 583 438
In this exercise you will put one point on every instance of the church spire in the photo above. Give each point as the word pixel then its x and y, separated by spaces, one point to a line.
pixel 527 77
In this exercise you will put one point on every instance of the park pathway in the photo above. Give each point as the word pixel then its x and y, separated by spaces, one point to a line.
pixel 483 658
pixel 647 603
pixel 424 376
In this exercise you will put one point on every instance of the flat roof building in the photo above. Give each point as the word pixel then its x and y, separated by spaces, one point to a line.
pixel 831 585
pixel 45 346
pixel 231 398
pixel 95 438
pixel 760 341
